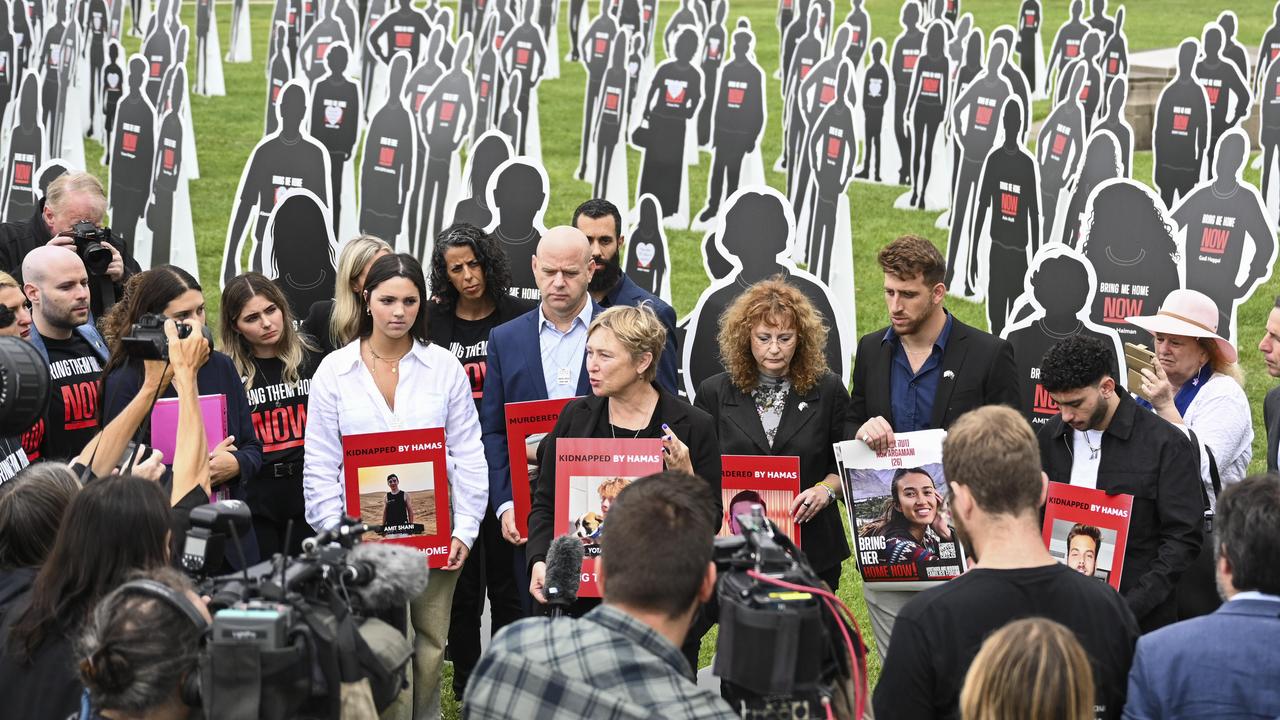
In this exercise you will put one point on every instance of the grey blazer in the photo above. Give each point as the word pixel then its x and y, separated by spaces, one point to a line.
pixel 1271 418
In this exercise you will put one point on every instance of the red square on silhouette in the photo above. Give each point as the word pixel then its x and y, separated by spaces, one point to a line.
pixel 930 85
pixel 446 111
pixel 611 100
pixel 155 69
pixel 909 62
pixel 1031 19
pixel 736 95
pixel 129 143
pixel 602 46
pixel 828 94
pixel 404 39
pixel 833 147
pixel 1008 204
pixel 1180 121
pixel 522 56
pixel 1213 94
pixel 320 50
pixel 417 100
pixel 1084 92
pixel 856 35
pixel 1113 66
pixel 1073 49
pixel 386 156
pixel 167 159
pixel 1059 143
pixel 22 173
pixel 484 88
pixel 982 116
pixel 805 67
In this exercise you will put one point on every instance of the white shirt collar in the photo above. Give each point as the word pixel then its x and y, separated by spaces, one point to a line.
pixel 348 356
pixel 584 315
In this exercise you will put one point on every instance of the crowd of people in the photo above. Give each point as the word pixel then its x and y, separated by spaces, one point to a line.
pixel 91 518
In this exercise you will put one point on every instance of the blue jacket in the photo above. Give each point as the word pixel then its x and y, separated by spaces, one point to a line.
pixel 1222 665
pixel 627 292
pixel 513 374
pixel 86 331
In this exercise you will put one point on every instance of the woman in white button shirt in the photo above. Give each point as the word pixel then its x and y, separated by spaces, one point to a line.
pixel 392 378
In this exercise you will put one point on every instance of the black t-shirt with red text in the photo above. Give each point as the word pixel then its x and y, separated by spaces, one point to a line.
pixel 279 412
pixel 470 345
pixel 72 418
pixel 1029 347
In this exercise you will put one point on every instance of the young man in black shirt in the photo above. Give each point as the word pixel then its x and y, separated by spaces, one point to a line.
pixel 992 466
pixel 58 288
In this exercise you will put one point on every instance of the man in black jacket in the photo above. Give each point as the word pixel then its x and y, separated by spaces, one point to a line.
pixel 923 371
pixel 1102 439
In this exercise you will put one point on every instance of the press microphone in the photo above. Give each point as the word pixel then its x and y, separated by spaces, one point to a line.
pixel 564 573
pixel 384 575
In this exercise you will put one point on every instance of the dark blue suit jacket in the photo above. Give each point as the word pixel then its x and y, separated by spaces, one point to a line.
pixel 513 373
pixel 627 292
pixel 1222 665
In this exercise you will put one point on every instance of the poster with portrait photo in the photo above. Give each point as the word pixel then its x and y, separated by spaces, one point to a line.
pixel 399 481
pixel 589 475
pixel 768 481
pixel 1087 530
pixel 527 423
pixel 903 535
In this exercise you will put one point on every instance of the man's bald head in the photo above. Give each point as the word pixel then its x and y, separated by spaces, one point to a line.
pixel 562 269
pixel 564 240
pixel 57 285
pixel 50 262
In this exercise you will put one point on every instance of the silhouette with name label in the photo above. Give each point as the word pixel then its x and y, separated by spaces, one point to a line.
pixel 372 13
pixel 1066 45
pixel 487 153
pixel 299 250
pixel 738 121
pixel 808 53
pixel 335 120
pixel 1101 163
pixel 596 54
pixel 510 120
pixel 158 50
pixel 1029 39
pixel 404 29
pixel 95 21
pixel 112 91
pixel 1115 56
pixel 518 196
pixel 1060 288
pixel 1010 192
pixel 1012 74
pixel 388 160
pixel 683 17
pixel 859 24
pixel 1224 86
pixel 611 119
pixel 785 14
pixel 487 81
pixel 1180 129
pixel 975 117
pixel 167 172
pixel 930 96
pixel 25 153
pixel 713 45
pixel 443 119
pixel 1220 217
pixel 427 72
pixel 1086 65
pixel 906 52
pixel 326 31
pixel 524 54
pixel 1114 121
pixel 833 154
pixel 20 25
pixel 416 89
pixel 674 96
pixel 1231 47
pixel 648 254
pixel 795 29
pixel 1098 19
pixel 1268 49
pixel 875 95
pixel 51 62
pixel 132 153
pixel 814 94
pixel 1059 147
pixel 284 160
pixel 279 73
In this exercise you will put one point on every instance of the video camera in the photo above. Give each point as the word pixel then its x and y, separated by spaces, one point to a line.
pixel 289 633
pixel 787 647
pixel 91 245
pixel 24 386
pixel 146 339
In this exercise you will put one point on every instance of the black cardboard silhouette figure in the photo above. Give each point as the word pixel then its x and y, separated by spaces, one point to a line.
pixel 166 83
pixel 404 29
pixel 299 249
pixel 674 96
pixel 597 51
pixel 1115 54
pixel 335 120
pixel 795 29
pixel 684 17
pixel 1220 217
pixel 813 95
pixel 1059 148
pixel 168 172
pixel 1060 286
pixel 1010 192
pixel 875 95
pixel 629 17
pixel 51 67
pixel 1029 39
pixel 524 54
pixel 486 78
pixel 204 20
pixel 286 13
pixel 957 42
pixel 25 153
pixel 284 160
pixel 1231 47
pixel 67 80
pixel 1269 136
pixel 1098 19
pixel 807 54
pixel 427 72
pixel 279 73
pixel 649 24
pixel 20 25
pixel 971 64
pixel 785 14
pixel 1114 121
pixel 1086 66
pixel 738 121
pixel 487 153
pixel 416 89
pixel 576 9
pixel 444 21
pixel 324 33
pixel 518 196
pixel 1268 49
pixel 389 160
pixel 906 52
pixel 611 116
pixel 443 121
pixel 1180 129
pixel 975 117
pixel 96 19
pixel 132 153
pixel 1066 45
pixel 713 47
pixel 929 98
pixel 648 254
pixel 1101 163
pixel 753 236
pixel 1224 86
pixel 239 44
pixel 112 91
pixel 9 69
pixel 859 24
pixel 1012 74
pixel 372 14
pixel 1128 239
pixel 158 49
pixel 833 155
pixel 510 118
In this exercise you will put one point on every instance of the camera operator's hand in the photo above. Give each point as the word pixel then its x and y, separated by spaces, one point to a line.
pixel 156 376
pixel 186 355
pixel 223 466
pixel 152 468
pixel 65 241
pixel 115 269
pixel 458 552
pixel 538 581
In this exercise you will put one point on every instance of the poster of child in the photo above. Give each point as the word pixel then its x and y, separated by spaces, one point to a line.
pixel 589 499
pixel 401 498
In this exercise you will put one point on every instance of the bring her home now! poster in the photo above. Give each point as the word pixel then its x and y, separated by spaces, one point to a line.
pixel 589 475
pixel 766 480
pixel 902 531
pixel 527 422
pixel 399 480
pixel 1087 529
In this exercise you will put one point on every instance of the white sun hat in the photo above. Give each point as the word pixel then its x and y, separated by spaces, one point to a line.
pixel 1189 313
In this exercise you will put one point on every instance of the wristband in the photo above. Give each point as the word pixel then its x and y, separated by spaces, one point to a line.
pixel 831 495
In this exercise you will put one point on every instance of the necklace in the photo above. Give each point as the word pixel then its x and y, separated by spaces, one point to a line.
pixel 613 429
pixel 1093 451
pixel 393 363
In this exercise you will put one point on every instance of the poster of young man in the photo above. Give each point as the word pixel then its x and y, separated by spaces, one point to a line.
pixel 399 481
pixel 898 514
pixel 1086 529
pixel 527 423
pixel 765 480
pixel 589 475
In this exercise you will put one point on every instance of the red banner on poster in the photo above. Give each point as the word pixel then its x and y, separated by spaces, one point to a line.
pixel 527 422
pixel 399 480
pixel 589 474
pixel 1087 529
pixel 766 480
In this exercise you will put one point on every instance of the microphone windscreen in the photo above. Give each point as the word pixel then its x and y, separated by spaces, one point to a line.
pixel 400 574
pixel 564 566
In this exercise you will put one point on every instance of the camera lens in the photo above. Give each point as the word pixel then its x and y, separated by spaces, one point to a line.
pixel 96 258
pixel 24 386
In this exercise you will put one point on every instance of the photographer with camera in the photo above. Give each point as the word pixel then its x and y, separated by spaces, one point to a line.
pixel 70 215
pixel 623 658
pixel 140 649
pixel 57 286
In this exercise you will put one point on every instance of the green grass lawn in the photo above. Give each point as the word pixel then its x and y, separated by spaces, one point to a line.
pixel 228 127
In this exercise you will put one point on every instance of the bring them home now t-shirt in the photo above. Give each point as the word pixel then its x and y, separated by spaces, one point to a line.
pixel 72 418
